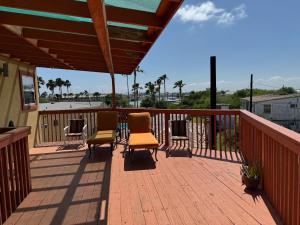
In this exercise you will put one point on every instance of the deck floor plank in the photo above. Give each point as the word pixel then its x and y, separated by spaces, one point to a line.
pixel 71 188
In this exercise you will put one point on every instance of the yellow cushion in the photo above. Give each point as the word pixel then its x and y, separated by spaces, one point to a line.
pixel 142 140
pixel 102 137
pixel 139 122
pixel 107 120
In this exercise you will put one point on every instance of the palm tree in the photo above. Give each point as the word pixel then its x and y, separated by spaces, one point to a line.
pixel 150 90
pixel 164 78
pixel 59 83
pixel 158 83
pixel 86 93
pixel 135 88
pixel 51 86
pixel 41 82
pixel 139 70
pixel 96 94
pixel 179 84
pixel 67 84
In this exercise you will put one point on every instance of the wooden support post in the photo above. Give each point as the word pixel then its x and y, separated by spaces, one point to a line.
pixel 113 92
pixel 251 92
pixel 213 97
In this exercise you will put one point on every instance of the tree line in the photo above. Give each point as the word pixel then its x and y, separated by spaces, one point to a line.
pixel 52 84
pixel 152 90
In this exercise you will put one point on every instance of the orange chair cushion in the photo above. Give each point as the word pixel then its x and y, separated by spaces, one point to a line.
pixel 139 122
pixel 107 120
pixel 102 137
pixel 142 140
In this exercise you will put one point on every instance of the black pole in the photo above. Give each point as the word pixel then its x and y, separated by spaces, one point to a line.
pixel 251 91
pixel 213 96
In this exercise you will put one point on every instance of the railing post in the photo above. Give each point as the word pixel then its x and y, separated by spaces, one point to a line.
pixel 167 118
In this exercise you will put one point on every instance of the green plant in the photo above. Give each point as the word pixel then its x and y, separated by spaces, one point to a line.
pixel 147 102
pixel 161 104
pixel 250 171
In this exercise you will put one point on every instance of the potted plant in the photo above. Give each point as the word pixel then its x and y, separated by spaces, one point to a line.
pixel 250 176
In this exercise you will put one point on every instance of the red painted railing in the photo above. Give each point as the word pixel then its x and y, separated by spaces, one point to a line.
pixel 15 180
pixel 225 125
pixel 274 148
pixel 277 151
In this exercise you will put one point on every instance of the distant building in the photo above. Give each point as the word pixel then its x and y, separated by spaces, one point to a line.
pixel 281 109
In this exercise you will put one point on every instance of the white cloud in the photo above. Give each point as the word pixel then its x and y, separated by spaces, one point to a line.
pixel 208 11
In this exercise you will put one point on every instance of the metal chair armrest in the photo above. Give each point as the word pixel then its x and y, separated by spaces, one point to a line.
pixel 84 130
pixel 152 131
pixel 127 135
pixel 66 130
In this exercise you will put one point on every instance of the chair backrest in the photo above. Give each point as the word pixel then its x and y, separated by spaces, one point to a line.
pixel 107 120
pixel 76 125
pixel 178 128
pixel 139 122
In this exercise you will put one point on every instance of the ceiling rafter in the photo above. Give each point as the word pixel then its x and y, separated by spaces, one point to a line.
pixel 80 9
pixel 69 39
pixel 60 37
pixel 18 33
pixel 46 23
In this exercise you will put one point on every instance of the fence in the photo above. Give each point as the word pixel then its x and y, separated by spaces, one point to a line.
pixel 277 152
pixel 15 181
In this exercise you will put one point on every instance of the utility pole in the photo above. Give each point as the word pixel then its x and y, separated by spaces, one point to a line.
pixel 213 97
pixel 251 92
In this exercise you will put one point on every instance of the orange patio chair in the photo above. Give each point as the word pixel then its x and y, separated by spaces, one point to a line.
pixel 107 122
pixel 140 134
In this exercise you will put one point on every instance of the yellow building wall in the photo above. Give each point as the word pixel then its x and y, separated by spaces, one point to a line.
pixel 10 99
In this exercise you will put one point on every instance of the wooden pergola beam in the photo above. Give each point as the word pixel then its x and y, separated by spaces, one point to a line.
pixel 46 23
pixel 32 45
pixel 62 46
pixel 135 17
pixel 80 9
pixel 60 37
pixel 67 7
pixel 98 15
pixel 128 46
pixel 129 35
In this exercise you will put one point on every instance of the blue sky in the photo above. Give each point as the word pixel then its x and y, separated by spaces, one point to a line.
pixel 259 37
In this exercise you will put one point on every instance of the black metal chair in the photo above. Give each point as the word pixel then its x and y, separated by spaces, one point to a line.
pixel 77 129
pixel 179 130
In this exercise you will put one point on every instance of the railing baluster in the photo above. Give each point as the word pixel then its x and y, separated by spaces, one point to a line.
pixel 11 175
pixel 3 196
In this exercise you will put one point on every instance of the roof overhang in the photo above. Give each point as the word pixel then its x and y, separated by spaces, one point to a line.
pixel 111 36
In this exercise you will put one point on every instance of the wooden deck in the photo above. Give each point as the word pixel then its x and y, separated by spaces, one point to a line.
pixel 69 188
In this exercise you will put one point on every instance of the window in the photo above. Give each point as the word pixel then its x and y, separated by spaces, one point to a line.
pixel 293 105
pixel 27 88
pixel 267 108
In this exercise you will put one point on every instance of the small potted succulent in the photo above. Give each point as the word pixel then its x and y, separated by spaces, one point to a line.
pixel 250 176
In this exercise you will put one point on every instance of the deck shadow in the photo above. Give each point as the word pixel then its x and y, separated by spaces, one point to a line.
pixel 260 194
pixel 80 187
pixel 69 147
pixel 143 160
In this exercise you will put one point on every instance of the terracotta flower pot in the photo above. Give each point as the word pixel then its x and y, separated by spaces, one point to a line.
pixel 251 183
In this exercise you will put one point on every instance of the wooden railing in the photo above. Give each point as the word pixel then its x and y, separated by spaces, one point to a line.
pixel 225 125
pixel 277 152
pixel 274 148
pixel 15 180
